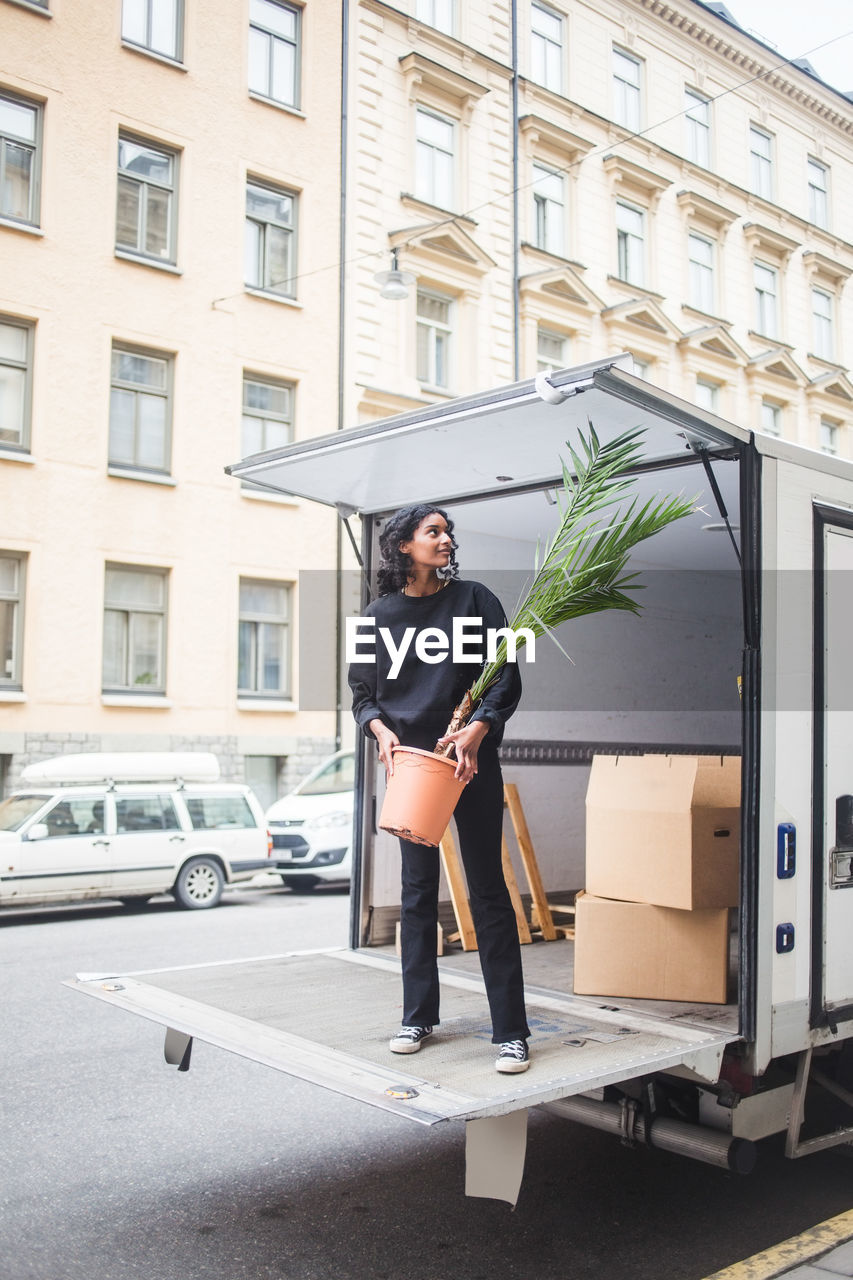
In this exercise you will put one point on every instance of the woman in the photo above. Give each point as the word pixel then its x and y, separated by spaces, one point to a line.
pixel 419 588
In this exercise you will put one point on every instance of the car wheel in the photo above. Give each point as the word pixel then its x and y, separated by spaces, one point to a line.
pixel 300 884
pixel 199 884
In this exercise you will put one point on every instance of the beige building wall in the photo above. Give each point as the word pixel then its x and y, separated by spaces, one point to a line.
pixel 456 60
pixel 63 506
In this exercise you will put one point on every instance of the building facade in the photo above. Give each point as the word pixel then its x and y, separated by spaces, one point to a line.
pixel 169 244
pixel 185 279
pixel 568 180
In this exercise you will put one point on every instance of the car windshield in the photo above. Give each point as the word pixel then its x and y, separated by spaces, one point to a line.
pixel 15 811
pixel 336 776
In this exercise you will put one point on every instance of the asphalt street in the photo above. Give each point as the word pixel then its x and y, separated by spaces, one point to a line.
pixel 116 1167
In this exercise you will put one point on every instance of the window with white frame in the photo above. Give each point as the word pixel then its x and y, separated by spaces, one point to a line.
pixel 771 418
pixel 436 13
pixel 134 656
pixel 140 410
pixel 829 436
pixel 435 158
pixel 551 350
pixel 630 243
pixel 697 120
pixel 708 394
pixel 270 243
pixel 766 290
pixel 761 162
pixel 267 414
pixel 549 211
pixel 546 47
pixel 16 372
pixel 822 324
pixel 274 51
pixel 434 338
pixel 156 25
pixel 20 144
pixel 700 254
pixel 263 663
pixel 626 89
pixel 641 368
pixel 12 566
pixel 818 181
pixel 146 209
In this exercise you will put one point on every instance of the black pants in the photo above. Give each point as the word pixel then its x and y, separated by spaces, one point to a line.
pixel 479 821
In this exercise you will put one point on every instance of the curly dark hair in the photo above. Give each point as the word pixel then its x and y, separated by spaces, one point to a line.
pixel 395 565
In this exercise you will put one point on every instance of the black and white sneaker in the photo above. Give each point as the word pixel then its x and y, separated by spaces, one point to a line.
pixel 514 1056
pixel 409 1039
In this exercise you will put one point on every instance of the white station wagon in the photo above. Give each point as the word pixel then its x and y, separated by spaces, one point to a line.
pixel 129 825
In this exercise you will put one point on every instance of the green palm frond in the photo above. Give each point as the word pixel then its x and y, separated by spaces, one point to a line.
pixel 582 570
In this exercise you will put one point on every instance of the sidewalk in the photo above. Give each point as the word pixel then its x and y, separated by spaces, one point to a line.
pixel 820 1253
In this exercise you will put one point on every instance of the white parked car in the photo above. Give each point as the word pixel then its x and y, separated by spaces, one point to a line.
pixel 129 825
pixel 311 827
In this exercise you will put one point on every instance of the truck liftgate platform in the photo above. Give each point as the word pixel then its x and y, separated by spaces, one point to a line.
pixel 326 1017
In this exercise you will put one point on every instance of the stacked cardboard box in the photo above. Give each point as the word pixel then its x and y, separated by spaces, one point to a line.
pixel 662 844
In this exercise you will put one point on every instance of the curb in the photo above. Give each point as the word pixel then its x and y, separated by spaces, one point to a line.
pixel 791 1253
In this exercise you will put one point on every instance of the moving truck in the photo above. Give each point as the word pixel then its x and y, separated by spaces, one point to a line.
pixel 740 655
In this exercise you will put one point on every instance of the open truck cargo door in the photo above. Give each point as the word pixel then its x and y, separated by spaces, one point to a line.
pixel 325 1017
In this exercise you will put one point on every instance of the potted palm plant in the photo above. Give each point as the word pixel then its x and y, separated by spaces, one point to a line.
pixel 581 571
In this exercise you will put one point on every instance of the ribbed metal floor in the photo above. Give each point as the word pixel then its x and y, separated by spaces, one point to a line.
pixel 327 1017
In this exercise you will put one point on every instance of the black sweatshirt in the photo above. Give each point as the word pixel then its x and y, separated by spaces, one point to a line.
pixel 418 701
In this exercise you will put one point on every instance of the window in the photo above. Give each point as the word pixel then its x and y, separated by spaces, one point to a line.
pixel 267 414
pixel 546 47
pixel 761 162
pixel 766 288
pixel 147 200
pixel 707 394
pixel 818 177
pixel 626 89
pixel 641 368
pixel 549 210
pixel 697 118
pixel 220 813
pixel 154 25
pixel 824 340
pixel 140 410
pixel 270 246
pixel 436 13
pixel 16 363
pixel 146 813
pixel 829 433
pixel 771 418
pixel 435 158
pixel 264 639
pixel 274 51
pixel 11 618
pixel 20 132
pixel 434 336
pixel 630 243
pixel 75 817
pixel 700 252
pixel 134 629
pixel 550 350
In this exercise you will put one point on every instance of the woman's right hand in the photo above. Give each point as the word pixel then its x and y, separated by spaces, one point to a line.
pixel 387 740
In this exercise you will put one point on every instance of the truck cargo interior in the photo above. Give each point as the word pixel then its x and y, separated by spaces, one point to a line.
pixel 664 680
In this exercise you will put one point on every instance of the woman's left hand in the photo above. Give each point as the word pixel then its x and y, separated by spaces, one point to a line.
pixel 467 743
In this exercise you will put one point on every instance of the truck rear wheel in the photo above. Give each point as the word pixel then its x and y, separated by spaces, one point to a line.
pixel 199 884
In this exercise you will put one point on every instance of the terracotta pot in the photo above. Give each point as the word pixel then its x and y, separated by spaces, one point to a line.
pixel 420 796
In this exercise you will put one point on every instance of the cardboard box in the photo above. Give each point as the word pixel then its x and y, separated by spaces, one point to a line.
pixel 664 830
pixel 656 953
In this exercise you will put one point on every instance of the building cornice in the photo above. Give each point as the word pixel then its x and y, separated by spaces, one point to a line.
pixel 753 61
